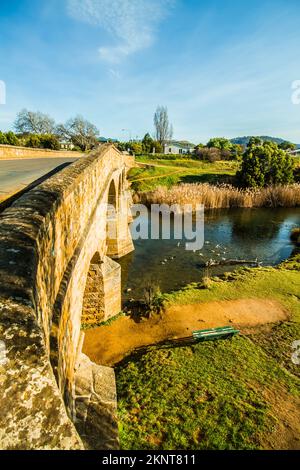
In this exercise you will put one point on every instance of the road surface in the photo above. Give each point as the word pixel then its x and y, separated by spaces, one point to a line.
pixel 15 175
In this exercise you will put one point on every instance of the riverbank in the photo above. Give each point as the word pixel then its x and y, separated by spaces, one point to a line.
pixel 126 335
pixel 235 394
pixel 222 196
pixel 246 298
pixel 185 180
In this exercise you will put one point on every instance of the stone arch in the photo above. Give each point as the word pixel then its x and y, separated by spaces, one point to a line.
pixel 118 239
pixel 112 194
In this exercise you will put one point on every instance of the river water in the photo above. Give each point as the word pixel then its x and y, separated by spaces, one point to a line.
pixel 249 234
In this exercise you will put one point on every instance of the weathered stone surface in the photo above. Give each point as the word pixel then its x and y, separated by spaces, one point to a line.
pixel 96 405
pixel 32 412
pixel 48 239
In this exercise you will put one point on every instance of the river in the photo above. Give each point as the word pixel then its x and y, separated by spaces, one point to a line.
pixel 249 234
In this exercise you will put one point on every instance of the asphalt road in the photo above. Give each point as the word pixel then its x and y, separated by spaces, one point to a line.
pixel 17 174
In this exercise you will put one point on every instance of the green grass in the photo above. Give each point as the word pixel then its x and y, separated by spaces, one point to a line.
pixel 277 344
pixel 206 396
pixel 216 395
pixel 171 172
pixel 108 322
pixel 279 283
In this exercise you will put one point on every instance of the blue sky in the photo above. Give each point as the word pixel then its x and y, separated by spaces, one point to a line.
pixel 222 67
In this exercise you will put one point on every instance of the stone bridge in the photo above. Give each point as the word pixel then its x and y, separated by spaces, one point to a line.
pixel 58 243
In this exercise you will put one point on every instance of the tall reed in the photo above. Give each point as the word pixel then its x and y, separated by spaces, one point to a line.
pixel 222 196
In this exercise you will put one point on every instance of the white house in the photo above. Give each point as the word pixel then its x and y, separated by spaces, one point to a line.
pixel 64 145
pixel 178 148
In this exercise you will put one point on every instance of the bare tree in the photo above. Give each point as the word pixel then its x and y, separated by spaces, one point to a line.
pixel 29 122
pixel 80 132
pixel 163 129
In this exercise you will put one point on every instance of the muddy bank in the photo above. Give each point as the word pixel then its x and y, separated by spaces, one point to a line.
pixel 107 345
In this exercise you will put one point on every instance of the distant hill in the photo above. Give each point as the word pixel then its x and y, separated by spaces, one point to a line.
pixel 104 140
pixel 245 140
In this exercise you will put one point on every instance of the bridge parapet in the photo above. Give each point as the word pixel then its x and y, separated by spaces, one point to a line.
pixel 48 238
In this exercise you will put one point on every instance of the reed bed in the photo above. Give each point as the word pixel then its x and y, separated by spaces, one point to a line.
pixel 222 196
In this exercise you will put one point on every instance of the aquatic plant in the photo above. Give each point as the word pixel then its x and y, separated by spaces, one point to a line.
pixel 223 196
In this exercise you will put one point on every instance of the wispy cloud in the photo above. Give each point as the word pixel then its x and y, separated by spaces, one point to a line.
pixel 131 22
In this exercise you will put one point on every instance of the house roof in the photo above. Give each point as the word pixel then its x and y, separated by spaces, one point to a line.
pixel 181 144
pixel 104 140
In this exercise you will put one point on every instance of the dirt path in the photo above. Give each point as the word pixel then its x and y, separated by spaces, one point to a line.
pixel 107 345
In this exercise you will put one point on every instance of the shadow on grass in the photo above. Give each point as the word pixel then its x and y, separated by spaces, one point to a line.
pixel 137 353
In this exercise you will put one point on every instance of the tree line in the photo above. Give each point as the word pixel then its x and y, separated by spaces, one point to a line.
pixel 39 130
pixel 262 163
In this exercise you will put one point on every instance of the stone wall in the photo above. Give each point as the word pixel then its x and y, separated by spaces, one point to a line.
pixel 9 152
pixel 48 239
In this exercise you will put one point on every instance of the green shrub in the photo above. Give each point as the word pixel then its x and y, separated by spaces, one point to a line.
pixel 11 138
pixel 33 141
pixel 49 141
pixel 3 139
pixel 8 138
pixel 265 165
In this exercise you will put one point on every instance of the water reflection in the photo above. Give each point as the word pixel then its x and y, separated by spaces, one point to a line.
pixel 236 234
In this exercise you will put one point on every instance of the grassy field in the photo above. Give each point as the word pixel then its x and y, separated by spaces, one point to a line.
pixel 235 394
pixel 207 396
pixel 170 172
pixel 164 171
